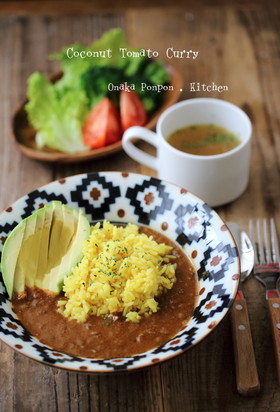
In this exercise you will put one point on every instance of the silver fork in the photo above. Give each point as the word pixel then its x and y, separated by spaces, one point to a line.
pixel 267 271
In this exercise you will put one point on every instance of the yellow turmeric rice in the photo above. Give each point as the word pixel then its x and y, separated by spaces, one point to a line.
pixel 121 271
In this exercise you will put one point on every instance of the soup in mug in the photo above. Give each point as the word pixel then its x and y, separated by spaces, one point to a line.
pixel 203 139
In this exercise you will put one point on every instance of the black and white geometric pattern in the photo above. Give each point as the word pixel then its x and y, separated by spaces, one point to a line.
pixel 128 197
pixel 149 200
pixel 95 195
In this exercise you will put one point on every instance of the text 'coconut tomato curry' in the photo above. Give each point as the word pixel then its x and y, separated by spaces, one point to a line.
pixel 116 290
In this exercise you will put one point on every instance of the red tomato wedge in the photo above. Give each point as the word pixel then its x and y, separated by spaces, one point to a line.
pixel 102 126
pixel 131 109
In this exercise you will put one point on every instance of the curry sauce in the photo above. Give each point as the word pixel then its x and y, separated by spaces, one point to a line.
pixel 111 336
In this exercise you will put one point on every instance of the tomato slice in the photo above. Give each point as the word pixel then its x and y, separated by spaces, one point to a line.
pixel 102 126
pixel 131 109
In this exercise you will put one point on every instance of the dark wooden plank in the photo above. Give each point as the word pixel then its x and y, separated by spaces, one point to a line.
pixel 84 7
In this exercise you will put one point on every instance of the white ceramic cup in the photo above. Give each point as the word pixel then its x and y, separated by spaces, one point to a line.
pixel 216 179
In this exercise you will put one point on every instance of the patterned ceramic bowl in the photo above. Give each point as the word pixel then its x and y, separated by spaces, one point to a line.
pixel 174 212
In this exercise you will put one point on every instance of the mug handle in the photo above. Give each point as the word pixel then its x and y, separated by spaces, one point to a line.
pixel 136 153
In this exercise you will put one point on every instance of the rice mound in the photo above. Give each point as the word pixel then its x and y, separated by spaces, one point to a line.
pixel 122 271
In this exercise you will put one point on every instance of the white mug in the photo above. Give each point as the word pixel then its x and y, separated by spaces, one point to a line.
pixel 216 179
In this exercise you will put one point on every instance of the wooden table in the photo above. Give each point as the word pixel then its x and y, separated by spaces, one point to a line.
pixel 240 48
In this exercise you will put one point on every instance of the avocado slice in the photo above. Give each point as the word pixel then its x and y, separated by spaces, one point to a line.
pixel 42 249
pixel 44 234
pixel 35 246
pixel 10 254
pixel 72 230
pixel 56 231
pixel 49 250
pixel 25 259
pixel 73 255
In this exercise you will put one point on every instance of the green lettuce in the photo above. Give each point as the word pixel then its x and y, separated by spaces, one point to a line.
pixel 57 111
pixel 57 118
pixel 74 67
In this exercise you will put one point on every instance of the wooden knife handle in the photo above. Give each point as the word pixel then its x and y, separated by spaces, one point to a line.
pixel 247 378
pixel 274 310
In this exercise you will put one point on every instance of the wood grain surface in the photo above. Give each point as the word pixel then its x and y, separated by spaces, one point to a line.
pixel 85 7
pixel 239 47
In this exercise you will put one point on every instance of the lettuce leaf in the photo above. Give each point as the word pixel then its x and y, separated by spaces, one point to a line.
pixel 74 67
pixel 57 118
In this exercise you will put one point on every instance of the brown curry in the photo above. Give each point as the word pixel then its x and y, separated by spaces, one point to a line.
pixel 110 336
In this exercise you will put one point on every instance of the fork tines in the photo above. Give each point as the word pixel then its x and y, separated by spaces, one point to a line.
pixel 266 270
pixel 265 242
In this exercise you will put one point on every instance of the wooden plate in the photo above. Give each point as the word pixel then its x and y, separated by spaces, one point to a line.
pixel 24 133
